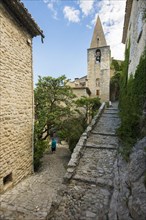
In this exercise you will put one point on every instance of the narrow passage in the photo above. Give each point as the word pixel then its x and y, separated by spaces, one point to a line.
pixel 88 193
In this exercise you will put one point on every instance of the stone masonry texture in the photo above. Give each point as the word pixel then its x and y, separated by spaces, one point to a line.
pixel 99 73
pixel 16 84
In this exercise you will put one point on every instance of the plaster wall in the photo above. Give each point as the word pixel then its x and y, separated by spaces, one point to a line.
pixel 136 34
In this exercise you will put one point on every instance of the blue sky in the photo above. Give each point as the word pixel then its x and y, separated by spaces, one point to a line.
pixel 68 28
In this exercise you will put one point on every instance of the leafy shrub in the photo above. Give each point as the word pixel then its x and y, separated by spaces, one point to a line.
pixel 72 130
pixel 132 99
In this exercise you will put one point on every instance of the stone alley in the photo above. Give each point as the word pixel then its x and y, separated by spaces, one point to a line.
pixel 88 192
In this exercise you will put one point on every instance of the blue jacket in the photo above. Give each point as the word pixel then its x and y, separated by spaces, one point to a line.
pixel 53 144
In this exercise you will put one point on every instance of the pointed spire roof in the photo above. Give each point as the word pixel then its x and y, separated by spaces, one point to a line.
pixel 98 39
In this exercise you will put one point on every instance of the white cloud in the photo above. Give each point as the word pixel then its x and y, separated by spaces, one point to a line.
pixel 111 13
pixel 86 6
pixel 50 5
pixel 45 1
pixel 88 26
pixel 71 14
pixel 112 17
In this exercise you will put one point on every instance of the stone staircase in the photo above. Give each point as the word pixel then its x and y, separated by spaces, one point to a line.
pixel 88 183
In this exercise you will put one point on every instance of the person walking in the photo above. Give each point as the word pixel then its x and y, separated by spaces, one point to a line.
pixel 53 145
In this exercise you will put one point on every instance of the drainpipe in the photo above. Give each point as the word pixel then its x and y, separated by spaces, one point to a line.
pixel 32 110
pixel 33 133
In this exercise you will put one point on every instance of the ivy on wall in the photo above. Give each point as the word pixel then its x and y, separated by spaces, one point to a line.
pixel 131 104
pixel 115 79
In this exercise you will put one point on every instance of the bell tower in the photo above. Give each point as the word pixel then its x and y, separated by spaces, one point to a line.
pixel 98 76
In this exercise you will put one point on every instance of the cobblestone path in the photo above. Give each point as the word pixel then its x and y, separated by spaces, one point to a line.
pixel 88 194
pixel 31 199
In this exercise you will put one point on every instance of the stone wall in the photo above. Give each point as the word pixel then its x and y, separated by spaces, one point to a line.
pixel 79 87
pixel 129 197
pixel 79 92
pixel 16 101
pixel 136 34
pixel 99 73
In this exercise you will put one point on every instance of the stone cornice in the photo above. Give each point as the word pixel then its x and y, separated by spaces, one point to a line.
pixel 98 47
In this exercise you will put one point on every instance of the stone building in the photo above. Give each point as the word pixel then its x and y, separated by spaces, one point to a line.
pixel 79 86
pixel 99 56
pixel 16 85
pixel 134 31
pixel 97 80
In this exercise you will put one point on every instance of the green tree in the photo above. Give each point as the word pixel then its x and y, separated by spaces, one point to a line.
pixel 89 105
pixel 74 126
pixel 53 105
pixel 72 130
pixel 115 86
pixel 117 65
pixel 115 79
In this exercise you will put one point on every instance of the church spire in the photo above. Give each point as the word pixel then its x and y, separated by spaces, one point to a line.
pixel 98 39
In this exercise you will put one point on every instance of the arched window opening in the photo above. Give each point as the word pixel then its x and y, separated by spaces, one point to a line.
pixel 98 55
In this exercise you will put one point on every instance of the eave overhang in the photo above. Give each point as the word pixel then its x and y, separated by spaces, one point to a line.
pixel 21 15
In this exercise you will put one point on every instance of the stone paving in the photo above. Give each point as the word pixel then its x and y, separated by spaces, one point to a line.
pixel 87 195
pixel 31 199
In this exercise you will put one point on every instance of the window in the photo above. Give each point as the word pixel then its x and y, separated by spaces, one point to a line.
pixel 98 55
pixel 97 82
pixel 97 92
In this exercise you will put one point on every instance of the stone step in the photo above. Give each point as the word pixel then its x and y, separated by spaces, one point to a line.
pixel 97 181
pixel 104 133
pixel 102 147
pixel 96 163
pixel 97 139
pixel 114 113
pixel 107 126
pixel 116 109
pixel 110 112
pixel 106 115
